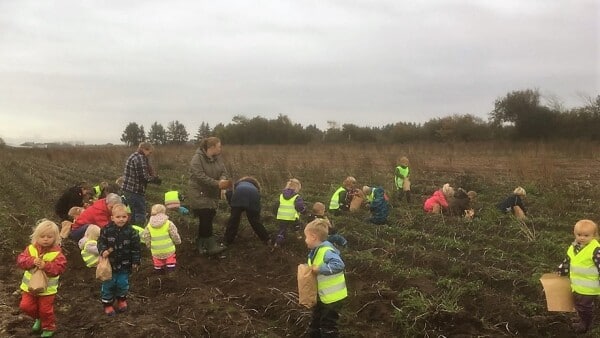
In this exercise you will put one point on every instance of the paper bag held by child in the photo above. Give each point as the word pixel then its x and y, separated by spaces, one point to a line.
pixel 558 292
pixel 103 269
pixel 307 286
pixel 38 282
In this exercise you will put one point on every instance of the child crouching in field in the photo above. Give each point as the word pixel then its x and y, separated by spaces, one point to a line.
pixel 120 243
pixel 89 246
pixel 43 253
pixel 161 236
pixel 582 265
pixel 326 263
pixel 318 212
pixel 289 207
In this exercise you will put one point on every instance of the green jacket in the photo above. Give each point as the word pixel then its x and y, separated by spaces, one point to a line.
pixel 205 173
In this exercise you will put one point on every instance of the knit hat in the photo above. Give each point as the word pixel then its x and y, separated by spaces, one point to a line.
pixel 403 161
pixel 520 191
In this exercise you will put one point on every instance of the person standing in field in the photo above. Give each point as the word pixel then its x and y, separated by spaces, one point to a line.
pixel 74 196
pixel 342 197
pixel 136 176
pixel 43 253
pixel 161 236
pixel 439 200
pixel 289 206
pixel 514 204
pixel 402 179
pixel 582 265
pixel 245 197
pixel 208 176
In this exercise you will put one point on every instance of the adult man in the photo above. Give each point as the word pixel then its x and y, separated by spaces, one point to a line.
pixel 136 176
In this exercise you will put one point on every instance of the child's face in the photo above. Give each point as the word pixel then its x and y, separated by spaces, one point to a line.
pixel 46 239
pixel 311 239
pixel 584 234
pixel 120 218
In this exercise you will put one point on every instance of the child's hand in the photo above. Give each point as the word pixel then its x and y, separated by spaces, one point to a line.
pixel 106 253
pixel 314 269
pixel 39 263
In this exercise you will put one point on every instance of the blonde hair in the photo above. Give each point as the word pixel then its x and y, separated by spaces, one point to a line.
pixel 158 209
pixel 119 207
pixel 519 191
pixel 472 194
pixel 74 212
pixel 403 161
pixel 447 190
pixel 294 184
pixel 366 189
pixel 45 226
pixel 146 146
pixel 92 232
pixel 349 182
pixel 318 209
pixel 586 223
pixel 319 227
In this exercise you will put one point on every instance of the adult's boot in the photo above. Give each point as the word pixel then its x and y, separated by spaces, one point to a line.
pixel 201 245
pixel 212 247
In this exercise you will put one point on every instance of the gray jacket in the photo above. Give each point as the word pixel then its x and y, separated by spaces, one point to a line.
pixel 205 173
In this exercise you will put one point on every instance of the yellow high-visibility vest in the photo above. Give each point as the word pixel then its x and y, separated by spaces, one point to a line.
pixel 583 272
pixel 52 281
pixel 331 288
pixel 160 241
pixel 399 180
pixel 89 258
pixel 334 204
pixel 287 209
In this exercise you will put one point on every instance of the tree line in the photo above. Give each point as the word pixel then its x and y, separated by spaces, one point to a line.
pixel 519 115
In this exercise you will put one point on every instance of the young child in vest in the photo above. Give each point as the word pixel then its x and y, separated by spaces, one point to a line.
pixel 582 265
pixel 326 263
pixel 173 201
pixel 43 253
pixel 289 207
pixel 89 246
pixel 402 179
pixel 377 201
pixel 161 236
pixel 120 243
pixel 65 226
pixel 318 212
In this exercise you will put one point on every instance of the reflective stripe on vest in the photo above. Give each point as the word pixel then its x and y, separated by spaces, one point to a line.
pixel 97 191
pixel 583 272
pixel 287 209
pixel 334 204
pixel 160 240
pixel 52 281
pixel 172 199
pixel 399 180
pixel 89 258
pixel 371 196
pixel 331 288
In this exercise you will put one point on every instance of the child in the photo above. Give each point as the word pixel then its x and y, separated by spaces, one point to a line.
pixel 402 179
pixel 121 245
pixel 289 207
pixel 65 226
pixel 325 262
pixel 377 201
pixel 514 203
pixel 582 265
pixel 318 212
pixel 439 200
pixel 43 253
pixel 173 201
pixel 342 197
pixel 161 236
pixel 89 246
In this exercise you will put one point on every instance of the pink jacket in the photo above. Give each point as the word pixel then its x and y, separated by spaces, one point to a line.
pixel 96 213
pixel 437 198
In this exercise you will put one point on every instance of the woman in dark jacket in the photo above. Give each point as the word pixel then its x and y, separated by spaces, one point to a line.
pixel 208 176
pixel 245 197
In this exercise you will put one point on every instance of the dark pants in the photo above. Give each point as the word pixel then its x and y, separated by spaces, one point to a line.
pixel 584 305
pixel 205 221
pixel 324 320
pixel 283 228
pixel 76 235
pixel 137 204
pixel 233 224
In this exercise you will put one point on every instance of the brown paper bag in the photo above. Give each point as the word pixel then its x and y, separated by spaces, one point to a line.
pixel 356 202
pixel 558 292
pixel 406 185
pixel 103 269
pixel 307 286
pixel 65 229
pixel 38 282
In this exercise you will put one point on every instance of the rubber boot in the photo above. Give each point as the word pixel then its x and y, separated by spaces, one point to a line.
pixel 212 247
pixel 201 245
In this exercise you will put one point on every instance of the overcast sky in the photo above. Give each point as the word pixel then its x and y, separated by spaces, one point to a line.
pixel 82 70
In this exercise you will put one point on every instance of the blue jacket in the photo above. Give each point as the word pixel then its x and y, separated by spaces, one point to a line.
pixel 245 195
pixel 333 261
pixel 379 207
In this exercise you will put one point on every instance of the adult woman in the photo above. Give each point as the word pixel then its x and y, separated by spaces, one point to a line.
pixel 208 176
pixel 245 196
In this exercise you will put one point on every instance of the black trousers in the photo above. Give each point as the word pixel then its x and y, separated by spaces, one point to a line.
pixel 584 305
pixel 253 217
pixel 205 221
pixel 324 320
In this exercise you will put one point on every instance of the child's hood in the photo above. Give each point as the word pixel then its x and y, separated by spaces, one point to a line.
pixel 288 193
pixel 156 221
